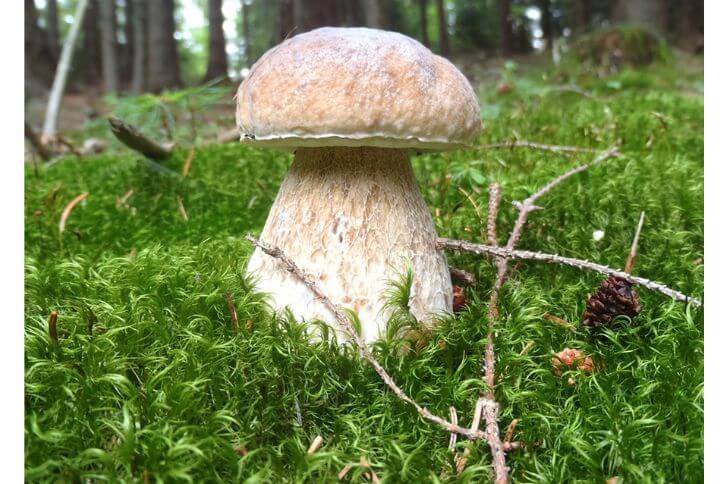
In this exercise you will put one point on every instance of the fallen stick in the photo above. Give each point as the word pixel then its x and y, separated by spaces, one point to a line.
pixel 348 328
pixel 36 143
pixel 67 211
pixel 481 249
pixel 134 139
pixel 453 435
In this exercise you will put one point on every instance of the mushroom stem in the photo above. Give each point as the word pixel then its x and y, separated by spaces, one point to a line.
pixel 355 219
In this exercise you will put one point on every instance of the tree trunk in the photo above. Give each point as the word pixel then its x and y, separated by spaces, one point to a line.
pixel 372 14
pixel 59 83
pixel 286 24
pixel 138 63
pixel 651 14
pixel 312 14
pixel 217 57
pixel 423 23
pixel 108 45
pixel 246 33
pixel 92 44
pixel 163 61
pixel 506 30
pixel 546 27
pixel 54 43
pixel 442 21
pixel 126 60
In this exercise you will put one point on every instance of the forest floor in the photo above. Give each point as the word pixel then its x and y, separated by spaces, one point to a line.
pixel 147 379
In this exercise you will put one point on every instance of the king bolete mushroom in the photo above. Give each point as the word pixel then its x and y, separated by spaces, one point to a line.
pixel 353 103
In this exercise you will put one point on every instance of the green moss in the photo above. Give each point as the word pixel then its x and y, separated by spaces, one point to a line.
pixel 149 377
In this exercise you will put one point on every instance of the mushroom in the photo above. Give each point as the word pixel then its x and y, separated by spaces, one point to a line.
pixel 353 103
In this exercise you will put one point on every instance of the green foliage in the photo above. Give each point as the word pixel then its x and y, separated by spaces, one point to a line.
pixel 149 378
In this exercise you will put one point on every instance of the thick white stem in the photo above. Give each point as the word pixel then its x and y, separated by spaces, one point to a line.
pixel 355 219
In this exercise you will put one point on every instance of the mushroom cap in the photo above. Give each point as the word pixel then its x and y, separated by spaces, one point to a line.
pixel 356 87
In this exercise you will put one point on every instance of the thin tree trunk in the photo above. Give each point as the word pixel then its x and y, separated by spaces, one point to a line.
pixel 444 36
pixel 59 83
pixel 286 23
pixel 651 14
pixel 372 14
pixel 54 43
pixel 245 10
pixel 92 44
pixel 423 23
pixel 217 57
pixel 138 67
pixel 163 60
pixel 546 27
pixel 506 30
pixel 108 45
pixel 126 63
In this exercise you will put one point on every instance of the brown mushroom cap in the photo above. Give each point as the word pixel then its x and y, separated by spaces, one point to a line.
pixel 356 87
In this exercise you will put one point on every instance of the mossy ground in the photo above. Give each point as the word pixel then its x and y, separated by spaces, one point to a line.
pixel 149 381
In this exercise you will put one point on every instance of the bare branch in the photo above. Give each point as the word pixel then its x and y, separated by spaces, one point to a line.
pixel 481 249
pixel 134 139
pixel 348 328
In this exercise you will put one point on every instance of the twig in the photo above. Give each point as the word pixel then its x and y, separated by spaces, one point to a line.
pixel 134 139
pixel 475 425
pixel 629 265
pixel 371 474
pixel 343 472
pixel 36 143
pixel 481 249
pixel 232 310
pixel 182 209
pixel 462 275
pixel 493 204
pixel 67 211
pixel 348 328
pixel 453 435
pixel 69 145
pixel 529 204
pixel 559 321
pixel 487 400
pixel 536 146
pixel 52 327
pixel 315 445
pixel 188 162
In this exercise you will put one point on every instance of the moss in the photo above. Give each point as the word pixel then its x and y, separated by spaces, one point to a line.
pixel 149 378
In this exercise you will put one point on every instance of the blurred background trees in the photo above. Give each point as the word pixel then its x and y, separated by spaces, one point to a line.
pixel 132 46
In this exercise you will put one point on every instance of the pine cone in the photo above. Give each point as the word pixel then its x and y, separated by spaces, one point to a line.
pixel 615 297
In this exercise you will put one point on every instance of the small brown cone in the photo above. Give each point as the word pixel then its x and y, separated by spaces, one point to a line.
pixel 615 297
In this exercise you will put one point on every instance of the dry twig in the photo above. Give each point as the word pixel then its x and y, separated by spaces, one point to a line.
pixel 182 209
pixel 633 250
pixel 348 328
pixel 67 211
pixel 188 163
pixel 315 445
pixel 481 249
pixel 134 139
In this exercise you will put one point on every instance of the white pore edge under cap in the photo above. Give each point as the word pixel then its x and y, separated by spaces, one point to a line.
pixel 356 87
